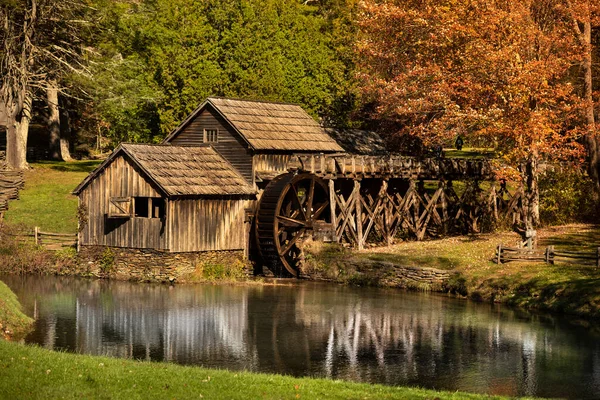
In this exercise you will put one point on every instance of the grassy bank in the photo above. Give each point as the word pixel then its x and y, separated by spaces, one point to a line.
pixel 44 374
pixel 13 323
pixel 47 201
pixel 562 287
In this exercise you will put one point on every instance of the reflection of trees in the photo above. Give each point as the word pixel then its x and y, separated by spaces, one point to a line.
pixel 154 322
pixel 383 336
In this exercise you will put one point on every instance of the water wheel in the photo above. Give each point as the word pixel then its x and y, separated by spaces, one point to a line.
pixel 289 207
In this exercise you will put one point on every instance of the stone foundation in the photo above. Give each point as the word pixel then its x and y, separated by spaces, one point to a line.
pixel 380 273
pixel 149 265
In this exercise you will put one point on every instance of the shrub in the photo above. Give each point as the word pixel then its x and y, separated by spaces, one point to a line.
pixel 565 196
pixel 107 261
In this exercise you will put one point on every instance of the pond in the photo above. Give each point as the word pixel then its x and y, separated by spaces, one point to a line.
pixel 319 330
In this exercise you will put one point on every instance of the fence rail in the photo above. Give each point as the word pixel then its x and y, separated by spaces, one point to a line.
pixel 51 240
pixel 549 255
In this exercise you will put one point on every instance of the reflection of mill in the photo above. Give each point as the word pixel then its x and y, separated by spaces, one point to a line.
pixel 327 331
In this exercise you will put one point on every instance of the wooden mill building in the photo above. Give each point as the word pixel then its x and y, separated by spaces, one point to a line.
pixel 192 193
pixel 241 175
pixel 169 198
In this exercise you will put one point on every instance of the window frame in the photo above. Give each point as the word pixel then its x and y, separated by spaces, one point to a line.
pixel 206 137
pixel 152 205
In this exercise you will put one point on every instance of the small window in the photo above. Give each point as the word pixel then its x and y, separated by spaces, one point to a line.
pixel 140 207
pixel 211 135
pixel 158 208
pixel 148 207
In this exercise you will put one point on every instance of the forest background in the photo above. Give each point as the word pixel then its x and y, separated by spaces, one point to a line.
pixel 520 77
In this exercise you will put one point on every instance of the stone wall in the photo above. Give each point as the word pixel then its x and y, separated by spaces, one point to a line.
pixel 380 273
pixel 154 265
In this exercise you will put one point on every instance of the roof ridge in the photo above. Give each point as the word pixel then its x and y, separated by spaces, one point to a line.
pixel 255 101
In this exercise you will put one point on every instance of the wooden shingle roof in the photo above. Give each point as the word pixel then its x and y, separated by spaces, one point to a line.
pixel 270 126
pixel 358 141
pixel 181 171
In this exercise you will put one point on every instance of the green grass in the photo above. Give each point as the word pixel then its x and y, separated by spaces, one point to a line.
pixel 563 287
pixel 44 374
pixel 470 152
pixel 13 323
pixel 47 201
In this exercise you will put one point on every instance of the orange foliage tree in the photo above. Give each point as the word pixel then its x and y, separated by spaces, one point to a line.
pixel 498 70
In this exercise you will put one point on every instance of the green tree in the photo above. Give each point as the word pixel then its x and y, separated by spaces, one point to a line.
pixel 158 59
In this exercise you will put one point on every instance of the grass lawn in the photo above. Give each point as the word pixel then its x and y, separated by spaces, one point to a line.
pixel 44 374
pixel 470 152
pixel 47 201
pixel 13 323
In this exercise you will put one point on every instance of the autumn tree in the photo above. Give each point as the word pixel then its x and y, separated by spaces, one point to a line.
pixel 495 70
pixel 584 15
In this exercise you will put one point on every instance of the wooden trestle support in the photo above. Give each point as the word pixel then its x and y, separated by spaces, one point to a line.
pixel 376 200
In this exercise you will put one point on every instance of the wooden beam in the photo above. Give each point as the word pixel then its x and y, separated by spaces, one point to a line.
pixel 332 208
pixel 358 204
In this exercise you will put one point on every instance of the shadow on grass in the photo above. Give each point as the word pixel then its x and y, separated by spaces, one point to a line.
pixel 575 296
pixel 73 166
pixel 576 241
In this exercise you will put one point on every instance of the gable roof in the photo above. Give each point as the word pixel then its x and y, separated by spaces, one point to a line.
pixel 358 141
pixel 269 126
pixel 180 171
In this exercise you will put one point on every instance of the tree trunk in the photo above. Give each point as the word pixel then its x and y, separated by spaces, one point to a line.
pixel 591 138
pixel 53 119
pixel 65 130
pixel 533 193
pixel 16 137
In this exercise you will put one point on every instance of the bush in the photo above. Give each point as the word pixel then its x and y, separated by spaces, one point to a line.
pixel 211 272
pixel 565 196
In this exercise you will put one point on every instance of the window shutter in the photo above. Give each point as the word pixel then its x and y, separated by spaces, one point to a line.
pixel 119 207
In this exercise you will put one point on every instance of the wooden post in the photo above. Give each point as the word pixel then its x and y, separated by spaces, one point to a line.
pixel 498 254
pixel 445 220
pixel 36 231
pixel 358 205
pixel 551 254
pixel 332 208
pixel 597 257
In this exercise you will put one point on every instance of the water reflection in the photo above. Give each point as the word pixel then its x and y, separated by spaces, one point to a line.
pixel 383 336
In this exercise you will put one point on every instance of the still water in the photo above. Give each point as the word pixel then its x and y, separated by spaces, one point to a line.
pixel 308 329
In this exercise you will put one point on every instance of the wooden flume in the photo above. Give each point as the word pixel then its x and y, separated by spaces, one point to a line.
pixel 365 200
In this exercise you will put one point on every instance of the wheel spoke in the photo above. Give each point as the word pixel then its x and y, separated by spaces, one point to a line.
pixel 310 198
pixel 291 243
pixel 297 201
pixel 287 221
pixel 320 210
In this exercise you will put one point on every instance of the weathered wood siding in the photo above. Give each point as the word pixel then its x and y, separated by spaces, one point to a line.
pixel 230 145
pixel 272 162
pixel 204 224
pixel 120 179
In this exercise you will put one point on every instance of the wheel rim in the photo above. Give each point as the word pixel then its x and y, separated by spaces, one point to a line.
pixel 302 200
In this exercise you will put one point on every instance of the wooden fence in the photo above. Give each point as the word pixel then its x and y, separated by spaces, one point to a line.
pixel 53 241
pixel 549 255
pixel 10 184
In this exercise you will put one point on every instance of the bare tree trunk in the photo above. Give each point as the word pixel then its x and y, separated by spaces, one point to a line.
pixel 65 130
pixel 591 138
pixel 533 193
pixel 53 119
pixel 16 138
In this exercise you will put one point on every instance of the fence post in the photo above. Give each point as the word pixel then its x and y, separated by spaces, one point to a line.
pixel 499 253
pixel 551 255
pixel 36 235
pixel 547 255
pixel 597 257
